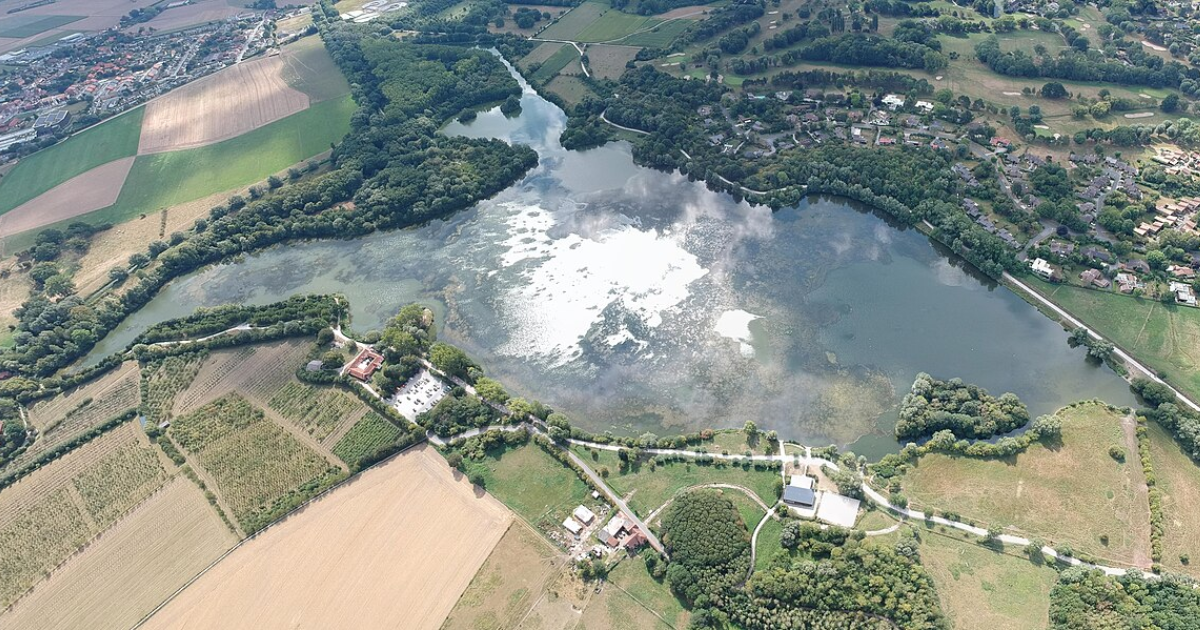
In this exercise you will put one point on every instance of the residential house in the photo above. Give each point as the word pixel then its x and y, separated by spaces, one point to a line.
pixel 1095 278
pixel 893 101
pixel 1183 293
pixel 1042 269
pixel 1062 248
pixel 1182 271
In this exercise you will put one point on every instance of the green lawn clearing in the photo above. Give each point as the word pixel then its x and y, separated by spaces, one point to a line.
pixel 982 589
pixel 309 68
pixel 559 60
pixel 647 490
pixel 768 546
pixel 111 140
pixel 532 483
pixel 1071 493
pixel 1179 481
pixel 643 591
pixel 1166 337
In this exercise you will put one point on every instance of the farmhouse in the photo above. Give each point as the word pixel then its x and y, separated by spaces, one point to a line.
pixel 1183 293
pixel 365 364
pixel 572 526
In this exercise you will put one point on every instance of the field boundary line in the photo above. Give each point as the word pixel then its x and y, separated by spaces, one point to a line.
pixel 268 528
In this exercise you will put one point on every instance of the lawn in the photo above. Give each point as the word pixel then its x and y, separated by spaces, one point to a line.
pixel 768 544
pixel 532 483
pixel 165 179
pixel 646 490
pixel 1179 480
pixel 981 589
pixel 750 511
pixel 1071 493
pixel 559 60
pixel 643 592
pixel 23 26
pixel 572 89
pixel 112 140
pixel 1164 337
pixel 310 69
pixel 734 442
pixel 593 22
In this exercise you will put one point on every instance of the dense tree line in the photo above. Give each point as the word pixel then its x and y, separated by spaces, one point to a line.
pixel 456 413
pixel 878 79
pixel 867 50
pixel 1181 422
pixel 393 170
pixel 724 18
pixel 967 411
pixel 1084 599
pixel 321 310
pixel 1075 65
pixel 836 571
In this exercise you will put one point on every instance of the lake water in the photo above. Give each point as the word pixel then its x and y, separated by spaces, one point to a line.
pixel 636 301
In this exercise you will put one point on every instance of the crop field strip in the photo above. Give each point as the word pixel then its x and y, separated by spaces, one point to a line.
pixel 22 26
pixel 367 435
pixel 46 517
pixel 67 415
pixel 253 461
pixel 165 381
pixel 318 411
pixel 257 372
pixel 93 589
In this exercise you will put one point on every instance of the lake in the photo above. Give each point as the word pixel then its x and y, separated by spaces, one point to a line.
pixel 634 300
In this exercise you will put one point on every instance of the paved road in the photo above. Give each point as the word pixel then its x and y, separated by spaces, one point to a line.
pixel 602 117
pixel 1125 356
pixel 617 501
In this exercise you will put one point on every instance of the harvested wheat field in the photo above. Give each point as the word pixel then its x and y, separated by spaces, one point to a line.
pixel 227 104
pixel 201 12
pixel 393 548
pixel 131 568
pixel 95 189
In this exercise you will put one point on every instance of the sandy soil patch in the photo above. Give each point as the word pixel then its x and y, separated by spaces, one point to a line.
pixel 1153 46
pixel 132 567
pixel 229 103
pixel 93 190
pixel 1140 115
pixel 394 548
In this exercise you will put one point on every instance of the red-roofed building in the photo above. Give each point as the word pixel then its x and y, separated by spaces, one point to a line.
pixel 365 364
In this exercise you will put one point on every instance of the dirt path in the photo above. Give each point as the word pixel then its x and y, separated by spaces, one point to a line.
pixel 1140 528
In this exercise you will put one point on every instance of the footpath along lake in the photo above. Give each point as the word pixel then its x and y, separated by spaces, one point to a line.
pixel 637 301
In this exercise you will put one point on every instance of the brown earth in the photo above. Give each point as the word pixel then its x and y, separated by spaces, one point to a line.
pixel 226 104
pixel 132 567
pixel 101 14
pixel 393 548
pixel 93 190
pixel 201 12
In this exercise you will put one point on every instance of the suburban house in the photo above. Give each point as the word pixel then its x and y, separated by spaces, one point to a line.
pixel 365 364
pixel 584 515
pixel 1095 277
pixel 893 101
pixel 621 533
pixel 1183 293
pixel 1042 269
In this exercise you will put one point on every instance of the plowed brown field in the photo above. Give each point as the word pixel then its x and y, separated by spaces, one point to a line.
pixel 95 189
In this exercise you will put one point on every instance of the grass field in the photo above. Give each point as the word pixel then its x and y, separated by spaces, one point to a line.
pixel 112 140
pixel 166 179
pixel 981 589
pixel 1164 337
pixel 133 567
pixel 253 461
pixel 45 517
pixel 395 547
pixel 608 62
pixel 531 483
pixel 565 54
pixel 22 26
pixel 1179 480
pixel 646 490
pixel 309 68
pixel 1072 493
pixel 768 544
pixel 632 600
pixel 571 89
pixel 592 22
pixel 514 577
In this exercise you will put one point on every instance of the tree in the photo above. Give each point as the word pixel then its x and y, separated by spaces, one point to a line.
pixel 751 430
pixel 449 359
pixel 491 390
pixel 477 479
pixel 454 459
pixel 1170 103
pixel 332 360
